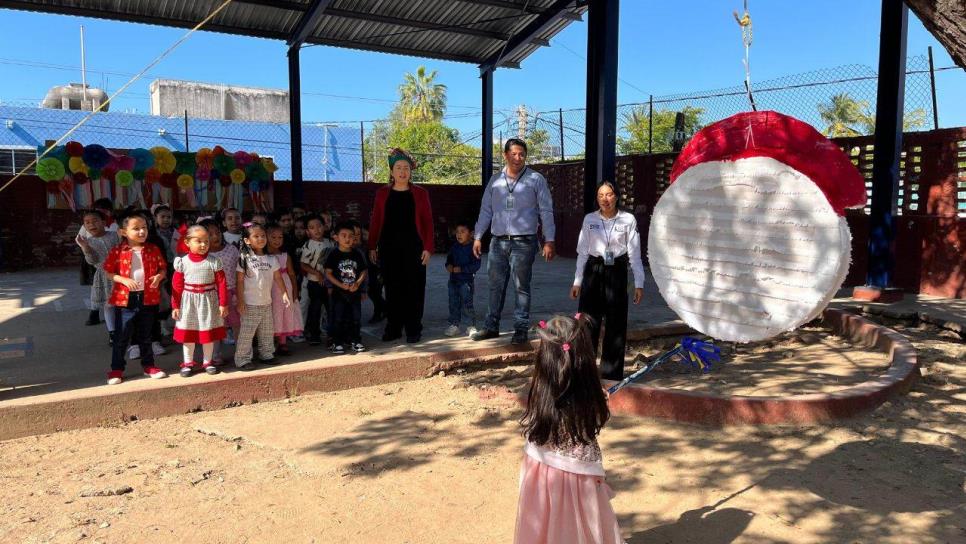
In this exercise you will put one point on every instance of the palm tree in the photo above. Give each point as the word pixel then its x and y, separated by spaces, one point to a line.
pixel 842 114
pixel 420 98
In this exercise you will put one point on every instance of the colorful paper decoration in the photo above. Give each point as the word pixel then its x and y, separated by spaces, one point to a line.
pixel 185 181
pixel 238 176
pixel 76 164
pixel 50 169
pixel 124 178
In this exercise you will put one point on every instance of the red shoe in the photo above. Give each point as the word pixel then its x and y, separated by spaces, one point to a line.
pixel 115 377
pixel 154 373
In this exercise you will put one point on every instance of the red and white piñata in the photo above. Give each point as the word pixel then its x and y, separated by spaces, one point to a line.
pixel 750 238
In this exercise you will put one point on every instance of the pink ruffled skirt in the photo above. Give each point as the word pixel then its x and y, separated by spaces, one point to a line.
pixel 559 507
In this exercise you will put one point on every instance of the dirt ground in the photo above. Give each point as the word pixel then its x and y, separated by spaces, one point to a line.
pixel 812 360
pixel 437 460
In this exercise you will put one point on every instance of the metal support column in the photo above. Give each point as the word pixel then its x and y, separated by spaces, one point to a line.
pixel 888 142
pixel 932 89
pixel 295 122
pixel 486 170
pixel 601 126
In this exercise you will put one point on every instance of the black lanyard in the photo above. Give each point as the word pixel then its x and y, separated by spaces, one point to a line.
pixel 516 181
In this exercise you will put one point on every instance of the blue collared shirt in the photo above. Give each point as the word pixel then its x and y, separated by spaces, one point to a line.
pixel 532 205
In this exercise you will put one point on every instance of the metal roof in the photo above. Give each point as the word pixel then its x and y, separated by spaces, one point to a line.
pixel 475 31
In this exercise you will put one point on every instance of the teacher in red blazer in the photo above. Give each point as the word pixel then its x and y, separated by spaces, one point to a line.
pixel 401 242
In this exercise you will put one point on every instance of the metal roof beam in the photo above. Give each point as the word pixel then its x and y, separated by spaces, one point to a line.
pixel 505 4
pixel 280 4
pixel 454 28
pixel 307 23
pixel 525 37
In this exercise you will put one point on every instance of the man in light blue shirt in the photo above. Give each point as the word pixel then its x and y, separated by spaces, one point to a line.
pixel 515 202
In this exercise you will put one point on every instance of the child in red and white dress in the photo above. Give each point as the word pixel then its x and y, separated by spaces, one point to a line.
pixel 199 300
pixel 228 255
pixel 563 496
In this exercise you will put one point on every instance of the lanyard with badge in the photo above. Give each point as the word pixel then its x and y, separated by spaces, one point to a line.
pixel 510 188
pixel 608 252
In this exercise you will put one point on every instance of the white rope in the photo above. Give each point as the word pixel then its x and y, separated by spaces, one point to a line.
pixel 118 92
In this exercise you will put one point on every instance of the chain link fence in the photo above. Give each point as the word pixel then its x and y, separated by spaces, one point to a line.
pixel 838 101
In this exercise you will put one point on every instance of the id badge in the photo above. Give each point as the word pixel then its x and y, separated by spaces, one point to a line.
pixel 509 202
pixel 609 258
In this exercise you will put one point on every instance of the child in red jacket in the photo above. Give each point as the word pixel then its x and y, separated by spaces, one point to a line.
pixel 137 269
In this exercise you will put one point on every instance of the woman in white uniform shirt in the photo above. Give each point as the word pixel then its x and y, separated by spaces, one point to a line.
pixel 608 242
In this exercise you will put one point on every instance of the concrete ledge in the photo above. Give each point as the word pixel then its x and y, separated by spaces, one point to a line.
pixel 148 399
pixel 710 409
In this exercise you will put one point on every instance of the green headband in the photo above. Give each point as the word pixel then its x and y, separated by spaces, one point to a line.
pixel 400 157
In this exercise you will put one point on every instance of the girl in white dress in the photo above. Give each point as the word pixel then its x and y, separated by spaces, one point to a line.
pixel 199 301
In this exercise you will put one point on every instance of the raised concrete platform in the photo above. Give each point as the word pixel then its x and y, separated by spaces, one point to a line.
pixel 712 409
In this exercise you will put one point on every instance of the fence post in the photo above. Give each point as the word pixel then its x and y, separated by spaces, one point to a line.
pixel 186 148
pixel 932 87
pixel 560 123
pixel 650 123
pixel 362 148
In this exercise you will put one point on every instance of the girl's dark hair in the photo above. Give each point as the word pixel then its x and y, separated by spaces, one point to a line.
pixel 160 208
pixel 565 403
pixel 98 213
pixel 103 203
pixel 613 187
pixel 127 215
pixel 245 253
pixel 208 222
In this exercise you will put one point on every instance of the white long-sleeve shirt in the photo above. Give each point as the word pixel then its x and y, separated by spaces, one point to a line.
pixel 619 234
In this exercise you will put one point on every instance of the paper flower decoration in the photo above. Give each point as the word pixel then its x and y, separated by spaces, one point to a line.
pixel 108 173
pixel 203 175
pixel 185 163
pixel 163 159
pixel 80 178
pixel 74 149
pixel 223 163
pixel 124 178
pixel 224 179
pixel 169 180
pixel 123 162
pixel 242 159
pixel 96 156
pixel 238 176
pixel 185 181
pixel 269 165
pixel 750 238
pixel 76 164
pixel 218 150
pixel 143 159
pixel 50 169
pixel 152 175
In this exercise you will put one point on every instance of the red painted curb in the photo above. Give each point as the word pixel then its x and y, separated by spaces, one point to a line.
pixel 711 409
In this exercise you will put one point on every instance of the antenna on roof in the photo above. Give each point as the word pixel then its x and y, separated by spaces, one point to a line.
pixel 83 69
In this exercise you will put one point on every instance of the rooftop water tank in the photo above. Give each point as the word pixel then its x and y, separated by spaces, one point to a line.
pixel 73 97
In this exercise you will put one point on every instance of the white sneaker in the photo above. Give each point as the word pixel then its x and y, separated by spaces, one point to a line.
pixel 158 349
pixel 134 352
pixel 452 330
pixel 470 331
pixel 298 339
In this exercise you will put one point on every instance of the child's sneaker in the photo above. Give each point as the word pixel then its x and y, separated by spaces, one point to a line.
pixel 470 331
pixel 187 369
pixel 297 339
pixel 134 351
pixel 115 377
pixel 210 368
pixel 158 349
pixel 154 373
pixel 338 349
pixel 358 347
pixel 452 330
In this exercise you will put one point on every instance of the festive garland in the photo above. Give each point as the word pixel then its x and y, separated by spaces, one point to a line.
pixel 83 173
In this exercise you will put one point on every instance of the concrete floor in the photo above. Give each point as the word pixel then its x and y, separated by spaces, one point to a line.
pixel 45 348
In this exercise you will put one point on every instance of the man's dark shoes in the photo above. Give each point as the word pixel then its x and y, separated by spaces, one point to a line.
pixel 389 336
pixel 413 338
pixel 519 337
pixel 485 334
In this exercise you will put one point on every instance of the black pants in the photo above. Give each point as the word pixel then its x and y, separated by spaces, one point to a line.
pixel 405 279
pixel 133 321
pixel 603 296
pixel 374 277
pixel 346 316
pixel 318 299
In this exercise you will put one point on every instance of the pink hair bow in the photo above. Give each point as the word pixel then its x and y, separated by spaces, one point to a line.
pixel 566 346
pixel 542 324
pixel 577 315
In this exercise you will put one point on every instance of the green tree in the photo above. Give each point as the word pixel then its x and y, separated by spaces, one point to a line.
pixel 846 116
pixel 420 98
pixel 538 147
pixel 636 126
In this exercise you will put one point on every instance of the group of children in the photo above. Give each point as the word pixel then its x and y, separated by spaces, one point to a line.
pixel 278 278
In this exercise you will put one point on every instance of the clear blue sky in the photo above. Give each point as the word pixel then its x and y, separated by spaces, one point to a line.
pixel 666 47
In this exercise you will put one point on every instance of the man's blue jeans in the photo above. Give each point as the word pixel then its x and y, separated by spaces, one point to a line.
pixel 461 303
pixel 510 259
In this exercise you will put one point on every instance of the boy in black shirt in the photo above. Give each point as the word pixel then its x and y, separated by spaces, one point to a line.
pixel 345 268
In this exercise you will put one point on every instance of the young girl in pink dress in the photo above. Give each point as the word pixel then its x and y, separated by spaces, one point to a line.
pixel 199 300
pixel 563 496
pixel 288 319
